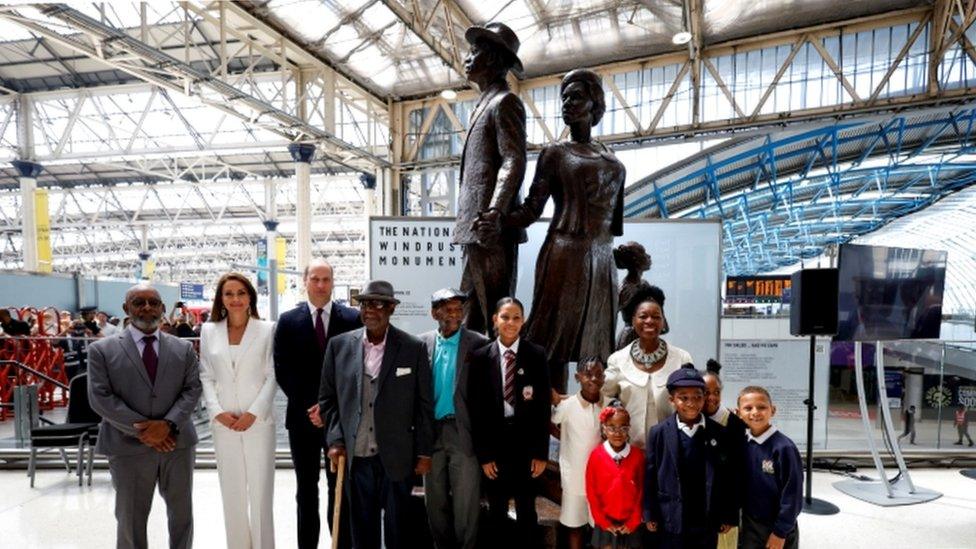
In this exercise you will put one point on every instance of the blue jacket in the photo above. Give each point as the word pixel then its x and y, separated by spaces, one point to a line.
pixel 663 489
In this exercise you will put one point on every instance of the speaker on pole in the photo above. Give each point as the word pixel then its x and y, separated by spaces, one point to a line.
pixel 813 302
pixel 813 312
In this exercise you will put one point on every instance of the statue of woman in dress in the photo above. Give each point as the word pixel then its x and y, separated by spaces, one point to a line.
pixel 574 303
pixel 633 258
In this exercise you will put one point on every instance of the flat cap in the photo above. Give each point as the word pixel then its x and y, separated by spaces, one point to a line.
pixel 446 294
pixel 686 376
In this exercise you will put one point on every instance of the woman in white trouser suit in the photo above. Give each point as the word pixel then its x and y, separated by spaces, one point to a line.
pixel 237 372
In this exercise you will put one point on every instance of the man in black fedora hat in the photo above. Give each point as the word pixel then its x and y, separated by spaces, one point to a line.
pixel 492 167
pixel 375 401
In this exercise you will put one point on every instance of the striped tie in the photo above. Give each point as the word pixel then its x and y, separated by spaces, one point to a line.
pixel 510 377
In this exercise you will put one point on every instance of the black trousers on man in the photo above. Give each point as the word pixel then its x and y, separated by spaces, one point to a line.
pixel 308 450
pixel 489 274
pixel 372 495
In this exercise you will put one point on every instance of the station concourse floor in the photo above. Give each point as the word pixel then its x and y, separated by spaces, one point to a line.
pixel 58 514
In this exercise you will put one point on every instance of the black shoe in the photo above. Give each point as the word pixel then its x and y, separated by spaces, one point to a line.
pixel 970 443
pixel 957 443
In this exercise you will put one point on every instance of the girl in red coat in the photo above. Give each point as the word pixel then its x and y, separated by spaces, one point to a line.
pixel 614 483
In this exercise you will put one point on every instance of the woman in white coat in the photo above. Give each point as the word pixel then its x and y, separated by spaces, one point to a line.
pixel 638 373
pixel 237 373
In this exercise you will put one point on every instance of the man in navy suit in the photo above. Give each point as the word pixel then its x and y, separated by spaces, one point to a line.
pixel 299 348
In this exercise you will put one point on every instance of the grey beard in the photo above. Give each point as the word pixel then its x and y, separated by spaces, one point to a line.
pixel 145 326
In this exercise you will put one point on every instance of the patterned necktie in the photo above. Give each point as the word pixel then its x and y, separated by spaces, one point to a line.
pixel 510 377
pixel 149 358
pixel 320 328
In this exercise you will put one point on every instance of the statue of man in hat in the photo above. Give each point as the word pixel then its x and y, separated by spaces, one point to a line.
pixel 492 167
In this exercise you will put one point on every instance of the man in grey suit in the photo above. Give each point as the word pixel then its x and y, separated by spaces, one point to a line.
pixel 375 402
pixel 452 487
pixel 145 384
pixel 492 167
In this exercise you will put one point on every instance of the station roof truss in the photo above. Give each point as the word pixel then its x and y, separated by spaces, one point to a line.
pixel 169 94
pixel 784 197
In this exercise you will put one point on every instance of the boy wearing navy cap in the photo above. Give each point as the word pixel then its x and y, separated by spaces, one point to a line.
pixel 772 495
pixel 686 496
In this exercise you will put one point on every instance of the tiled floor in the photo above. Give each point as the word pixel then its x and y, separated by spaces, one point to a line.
pixel 58 514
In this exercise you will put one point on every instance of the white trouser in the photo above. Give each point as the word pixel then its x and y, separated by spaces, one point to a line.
pixel 245 467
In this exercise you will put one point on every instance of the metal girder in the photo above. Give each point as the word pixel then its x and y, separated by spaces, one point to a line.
pixel 128 54
pixel 783 198
pixel 451 15
pixel 658 107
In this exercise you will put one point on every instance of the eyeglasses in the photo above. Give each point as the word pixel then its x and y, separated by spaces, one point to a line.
pixel 374 304
pixel 622 430
pixel 139 302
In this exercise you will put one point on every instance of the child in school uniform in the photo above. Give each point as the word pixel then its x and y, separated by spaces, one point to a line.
pixel 733 430
pixel 578 419
pixel 509 401
pixel 773 486
pixel 688 499
pixel 614 482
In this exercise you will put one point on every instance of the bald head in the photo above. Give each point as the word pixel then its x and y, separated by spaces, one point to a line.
pixel 144 306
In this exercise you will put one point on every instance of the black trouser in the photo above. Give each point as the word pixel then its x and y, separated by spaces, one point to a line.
pixel 753 534
pixel 488 275
pixel 514 481
pixel 369 492
pixel 307 450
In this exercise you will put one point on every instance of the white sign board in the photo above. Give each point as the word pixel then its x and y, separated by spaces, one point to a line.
pixel 783 368
pixel 415 254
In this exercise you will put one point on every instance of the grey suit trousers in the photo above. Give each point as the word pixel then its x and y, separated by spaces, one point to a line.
pixel 452 491
pixel 135 479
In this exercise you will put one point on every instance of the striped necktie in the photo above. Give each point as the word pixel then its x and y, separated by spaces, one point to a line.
pixel 510 377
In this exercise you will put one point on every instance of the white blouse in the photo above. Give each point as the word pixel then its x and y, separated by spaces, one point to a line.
pixel 644 395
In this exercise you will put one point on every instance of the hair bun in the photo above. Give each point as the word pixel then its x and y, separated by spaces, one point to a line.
pixel 713 366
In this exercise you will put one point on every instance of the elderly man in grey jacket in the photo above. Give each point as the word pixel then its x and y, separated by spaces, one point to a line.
pixel 145 384
pixel 452 485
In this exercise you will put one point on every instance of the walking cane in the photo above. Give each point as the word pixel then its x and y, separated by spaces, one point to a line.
pixel 338 500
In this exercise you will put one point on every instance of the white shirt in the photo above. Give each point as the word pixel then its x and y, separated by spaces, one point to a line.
pixel 137 336
pixel 326 313
pixel 690 431
pixel 721 416
pixel 579 434
pixel 614 455
pixel 761 438
pixel 108 329
pixel 509 409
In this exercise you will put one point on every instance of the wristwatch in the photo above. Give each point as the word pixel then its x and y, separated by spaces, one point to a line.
pixel 173 429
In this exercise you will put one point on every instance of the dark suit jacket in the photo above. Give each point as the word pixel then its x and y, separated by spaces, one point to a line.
pixel 662 483
pixel 485 402
pixel 298 358
pixel 403 407
pixel 495 144
pixel 120 391
pixel 469 341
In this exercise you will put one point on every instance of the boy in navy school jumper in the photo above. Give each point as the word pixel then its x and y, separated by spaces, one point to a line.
pixel 687 499
pixel 772 498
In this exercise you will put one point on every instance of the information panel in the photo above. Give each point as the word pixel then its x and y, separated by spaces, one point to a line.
pixel 416 255
pixel 783 368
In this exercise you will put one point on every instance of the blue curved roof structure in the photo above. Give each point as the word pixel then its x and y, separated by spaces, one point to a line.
pixel 785 196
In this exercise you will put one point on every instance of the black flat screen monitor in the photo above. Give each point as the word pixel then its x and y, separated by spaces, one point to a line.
pixel 889 293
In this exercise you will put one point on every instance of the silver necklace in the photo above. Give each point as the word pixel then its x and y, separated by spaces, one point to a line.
pixel 648 359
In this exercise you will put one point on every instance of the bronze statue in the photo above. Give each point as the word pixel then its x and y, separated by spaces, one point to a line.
pixel 492 168
pixel 574 304
pixel 634 258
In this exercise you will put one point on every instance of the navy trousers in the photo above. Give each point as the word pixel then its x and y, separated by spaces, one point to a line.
pixel 372 494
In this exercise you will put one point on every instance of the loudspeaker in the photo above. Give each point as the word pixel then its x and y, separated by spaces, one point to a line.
pixel 813 306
